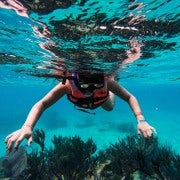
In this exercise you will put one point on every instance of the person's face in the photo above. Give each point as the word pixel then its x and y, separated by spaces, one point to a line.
pixel 89 83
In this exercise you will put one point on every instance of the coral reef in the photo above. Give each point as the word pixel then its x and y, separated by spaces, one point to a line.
pixel 39 138
pixel 71 158
pixel 145 158
pixel 13 163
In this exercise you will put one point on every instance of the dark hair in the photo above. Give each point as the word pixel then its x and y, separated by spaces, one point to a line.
pixel 91 78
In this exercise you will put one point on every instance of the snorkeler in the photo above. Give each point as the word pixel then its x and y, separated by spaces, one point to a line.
pixel 85 90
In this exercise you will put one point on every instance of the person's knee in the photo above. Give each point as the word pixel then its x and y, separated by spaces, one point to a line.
pixel 109 104
pixel 109 107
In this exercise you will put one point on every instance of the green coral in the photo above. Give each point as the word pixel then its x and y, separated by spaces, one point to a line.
pixel 145 157
pixel 71 158
pixel 39 138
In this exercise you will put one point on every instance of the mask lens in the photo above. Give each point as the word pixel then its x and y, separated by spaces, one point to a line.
pixel 95 86
pixel 100 85
pixel 94 81
pixel 84 86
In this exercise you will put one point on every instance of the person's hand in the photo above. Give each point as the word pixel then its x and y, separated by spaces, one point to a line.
pixel 145 129
pixel 15 138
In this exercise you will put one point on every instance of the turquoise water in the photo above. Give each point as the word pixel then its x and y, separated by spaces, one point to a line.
pixel 153 78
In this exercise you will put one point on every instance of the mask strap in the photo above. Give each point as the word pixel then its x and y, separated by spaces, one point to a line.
pixel 85 111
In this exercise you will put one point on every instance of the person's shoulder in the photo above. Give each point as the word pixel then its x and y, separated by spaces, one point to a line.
pixel 109 77
pixel 62 87
pixel 112 83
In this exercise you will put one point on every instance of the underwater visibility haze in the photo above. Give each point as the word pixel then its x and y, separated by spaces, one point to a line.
pixel 38 38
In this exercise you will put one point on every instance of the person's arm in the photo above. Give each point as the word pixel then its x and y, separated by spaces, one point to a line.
pixel 143 127
pixel 133 54
pixel 56 93
pixel 26 131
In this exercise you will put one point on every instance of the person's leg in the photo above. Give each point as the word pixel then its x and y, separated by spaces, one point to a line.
pixel 109 104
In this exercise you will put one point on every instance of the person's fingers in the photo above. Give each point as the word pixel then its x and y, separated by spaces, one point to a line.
pixel 142 133
pixel 145 134
pixel 153 130
pixel 11 139
pixel 9 144
pixel 149 133
pixel 18 141
pixel 9 136
pixel 29 141
pixel 139 132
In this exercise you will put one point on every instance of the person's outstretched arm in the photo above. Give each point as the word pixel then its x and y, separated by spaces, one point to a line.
pixel 133 54
pixel 143 127
pixel 26 131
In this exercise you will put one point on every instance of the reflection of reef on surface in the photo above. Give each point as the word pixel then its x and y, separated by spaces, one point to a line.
pixel 70 158
pixel 95 34
pixel 12 59
pixel 44 7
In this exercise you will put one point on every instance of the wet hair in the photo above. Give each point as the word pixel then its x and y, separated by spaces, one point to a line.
pixel 90 78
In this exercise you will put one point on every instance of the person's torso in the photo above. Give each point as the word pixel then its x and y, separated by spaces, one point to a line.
pixel 77 97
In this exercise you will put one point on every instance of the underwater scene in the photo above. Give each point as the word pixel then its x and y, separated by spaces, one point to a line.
pixel 137 42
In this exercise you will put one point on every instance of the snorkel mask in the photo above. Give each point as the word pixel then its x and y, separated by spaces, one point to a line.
pixel 88 83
